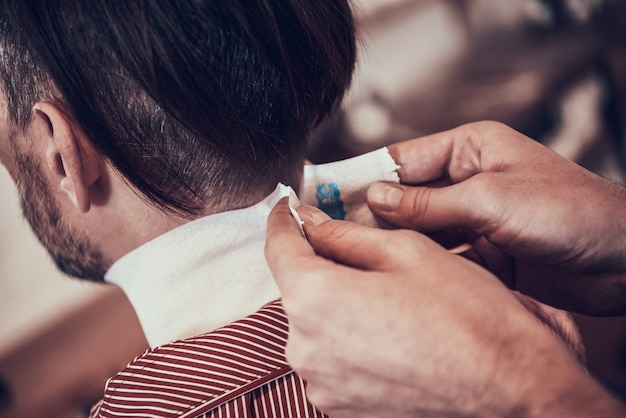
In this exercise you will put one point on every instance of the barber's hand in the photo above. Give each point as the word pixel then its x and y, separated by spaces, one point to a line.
pixel 390 324
pixel 541 223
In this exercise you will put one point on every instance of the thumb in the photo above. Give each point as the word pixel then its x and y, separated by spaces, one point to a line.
pixel 286 250
pixel 358 246
pixel 425 208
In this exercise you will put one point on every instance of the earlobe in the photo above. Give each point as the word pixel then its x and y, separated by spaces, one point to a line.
pixel 70 157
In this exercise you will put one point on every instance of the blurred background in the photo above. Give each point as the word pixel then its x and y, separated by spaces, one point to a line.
pixel 552 69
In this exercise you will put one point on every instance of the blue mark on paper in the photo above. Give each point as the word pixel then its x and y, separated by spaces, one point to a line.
pixel 329 200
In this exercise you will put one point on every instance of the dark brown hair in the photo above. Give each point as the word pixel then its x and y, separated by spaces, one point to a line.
pixel 192 101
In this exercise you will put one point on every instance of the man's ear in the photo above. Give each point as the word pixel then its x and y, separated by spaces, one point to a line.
pixel 69 155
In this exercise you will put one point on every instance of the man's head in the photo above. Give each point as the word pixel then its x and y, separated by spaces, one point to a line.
pixel 199 106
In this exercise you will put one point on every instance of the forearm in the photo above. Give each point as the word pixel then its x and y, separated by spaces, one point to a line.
pixel 574 395
pixel 550 382
pixel 534 375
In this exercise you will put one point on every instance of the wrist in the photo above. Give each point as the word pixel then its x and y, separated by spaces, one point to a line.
pixel 578 396
pixel 557 385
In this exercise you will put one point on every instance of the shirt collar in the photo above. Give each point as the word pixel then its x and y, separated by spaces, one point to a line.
pixel 212 271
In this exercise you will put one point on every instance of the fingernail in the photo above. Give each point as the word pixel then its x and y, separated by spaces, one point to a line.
pixel 311 215
pixel 385 196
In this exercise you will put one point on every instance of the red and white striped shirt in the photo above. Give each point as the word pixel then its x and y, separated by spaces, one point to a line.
pixel 239 371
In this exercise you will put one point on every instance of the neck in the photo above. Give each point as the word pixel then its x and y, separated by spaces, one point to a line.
pixel 127 222
pixel 212 271
pixel 200 276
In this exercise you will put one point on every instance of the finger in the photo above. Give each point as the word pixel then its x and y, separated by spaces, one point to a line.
pixel 421 160
pixel 286 250
pixel 431 158
pixel 358 246
pixel 456 154
pixel 427 209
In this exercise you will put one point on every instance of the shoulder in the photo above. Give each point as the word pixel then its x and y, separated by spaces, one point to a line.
pixel 241 365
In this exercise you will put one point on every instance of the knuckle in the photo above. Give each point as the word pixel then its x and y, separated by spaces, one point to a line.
pixel 306 304
pixel 414 206
pixel 493 125
pixel 297 357
pixel 321 397
pixel 473 136
pixel 272 247
pixel 484 126
pixel 296 304
pixel 339 230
